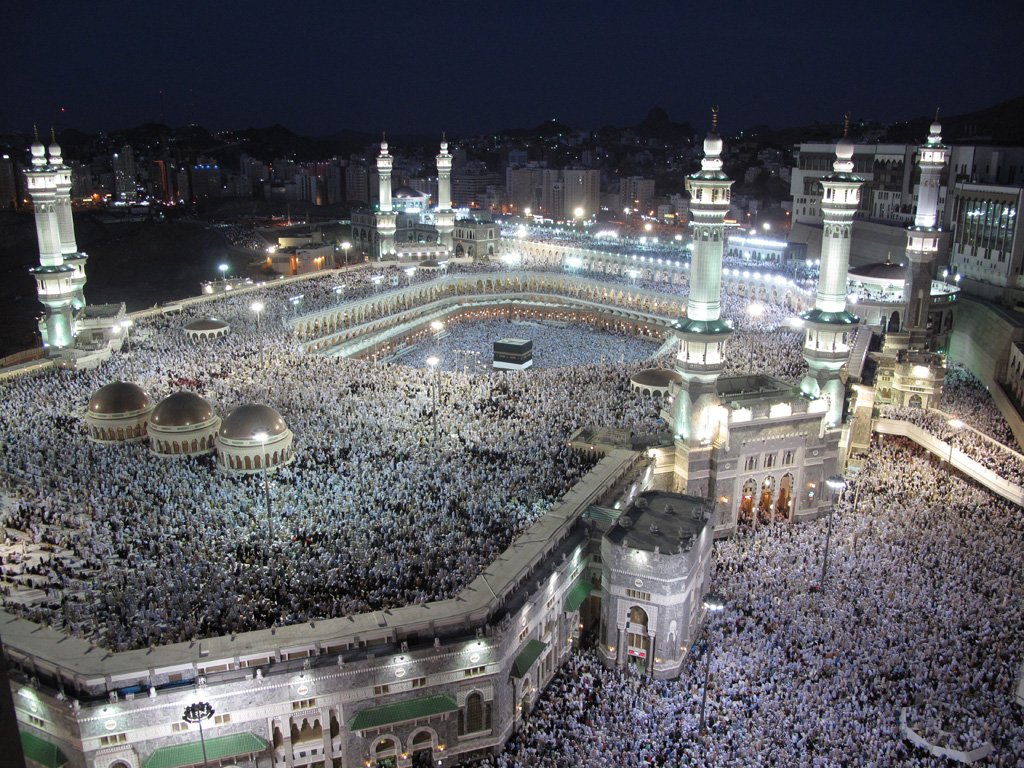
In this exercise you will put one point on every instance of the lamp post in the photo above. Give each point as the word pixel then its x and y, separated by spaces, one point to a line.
pixel 262 437
pixel 436 326
pixel 345 247
pixel 754 310
pixel 257 307
pixel 956 425
pixel 714 604
pixel 127 325
pixel 836 484
pixel 223 269
pixel 433 361
pixel 196 713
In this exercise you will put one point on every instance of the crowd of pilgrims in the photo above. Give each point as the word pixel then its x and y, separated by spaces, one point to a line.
pixel 652 248
pixel 371 514
pixel 918 610
pixel 982 433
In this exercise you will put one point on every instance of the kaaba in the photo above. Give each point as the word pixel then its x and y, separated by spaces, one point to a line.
pixel 513 354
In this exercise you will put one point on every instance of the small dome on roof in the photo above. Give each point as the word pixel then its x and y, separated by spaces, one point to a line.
pixel 206 324
pixel 182 409
pixel 656 377
pixel 249 420
pixel 880 270
pixel 406 193
pixel 119 397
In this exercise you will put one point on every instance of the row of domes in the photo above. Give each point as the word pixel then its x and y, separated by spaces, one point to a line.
pixel 184 409
pixel 252 436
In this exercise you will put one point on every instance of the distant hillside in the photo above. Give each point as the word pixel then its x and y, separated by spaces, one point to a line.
pixel 1002 123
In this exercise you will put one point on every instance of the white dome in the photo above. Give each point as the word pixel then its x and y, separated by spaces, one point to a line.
pixel 182 409
pixel 246 421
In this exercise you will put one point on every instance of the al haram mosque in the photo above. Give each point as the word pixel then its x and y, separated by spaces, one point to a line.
pixel 364 517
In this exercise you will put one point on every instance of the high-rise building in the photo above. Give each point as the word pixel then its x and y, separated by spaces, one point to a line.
pixel 357 188
pixel 987 245
pixel 635 193
pixel 125 182
pixel 8 183
pixel 470 183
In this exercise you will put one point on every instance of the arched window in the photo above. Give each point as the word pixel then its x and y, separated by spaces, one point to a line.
pixel 474 713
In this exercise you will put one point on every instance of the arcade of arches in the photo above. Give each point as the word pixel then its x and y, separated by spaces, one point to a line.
pixel 770 500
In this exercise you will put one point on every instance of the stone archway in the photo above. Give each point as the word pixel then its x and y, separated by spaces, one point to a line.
pixel 784 500
pixel 422 745
pixel 638 641
pixel 746 511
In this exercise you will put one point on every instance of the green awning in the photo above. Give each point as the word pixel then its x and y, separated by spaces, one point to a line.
pixel 41 751
pixel 526 657
pixel 401 712
pixel 579 593
pixel 217 748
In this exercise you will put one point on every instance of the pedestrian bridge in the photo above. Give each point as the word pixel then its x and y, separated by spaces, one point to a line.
pixel 957 458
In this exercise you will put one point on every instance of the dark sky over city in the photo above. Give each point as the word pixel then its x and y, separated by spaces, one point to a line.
pixel 322 66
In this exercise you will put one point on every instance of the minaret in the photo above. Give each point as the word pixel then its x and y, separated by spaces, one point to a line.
pixel 923 237
pixel 387 221
pixel 702 333
pixel 53 277
pixel 65 223
pixel 828 325
pixel 444 217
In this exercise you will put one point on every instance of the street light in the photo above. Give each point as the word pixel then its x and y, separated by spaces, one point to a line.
pixel 436 326
pixel 126 324
pixel 196 713
pixel 433 361
pixel 345 246
pixel 223 270
pixel 956 425
pixel 257 307
pixel 755 310
pixel 836 484
pixel 262 437
pixel 714 604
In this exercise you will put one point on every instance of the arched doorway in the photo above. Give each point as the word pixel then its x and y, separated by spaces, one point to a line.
pixel 914 401
pixel 747 502
pixel 638 642
pixel 422 747
pixel 784 502
pixel 385 753
pixel 894 322
pixel 764 503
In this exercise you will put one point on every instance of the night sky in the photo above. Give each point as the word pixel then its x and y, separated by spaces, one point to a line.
pixel 421 67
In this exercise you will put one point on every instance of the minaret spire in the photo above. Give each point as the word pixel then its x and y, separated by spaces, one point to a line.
pixel 702 334
pixel 828 325
pixel 386 219
pixel 444 217
pixel 923 237
pixel 54 279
